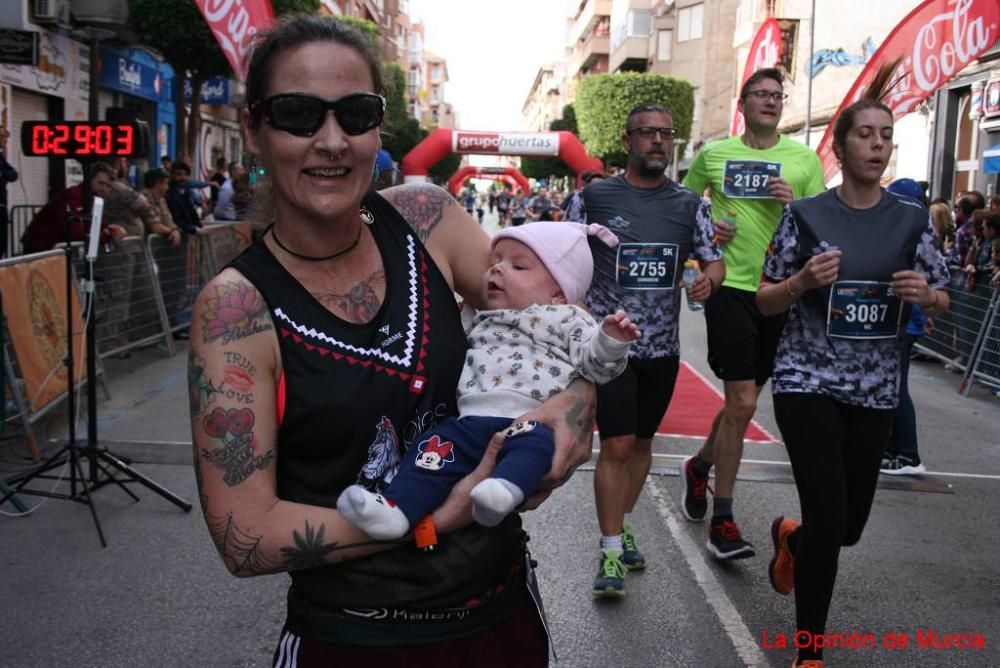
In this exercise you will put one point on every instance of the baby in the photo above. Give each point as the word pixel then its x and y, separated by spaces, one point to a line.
pixel 529 345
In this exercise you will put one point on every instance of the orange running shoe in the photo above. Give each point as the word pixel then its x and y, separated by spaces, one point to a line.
pixel 808 663
pixel 782 567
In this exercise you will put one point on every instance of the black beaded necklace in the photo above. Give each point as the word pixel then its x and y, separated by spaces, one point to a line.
pixel 312 258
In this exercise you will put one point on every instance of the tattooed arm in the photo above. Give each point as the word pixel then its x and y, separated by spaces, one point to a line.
pixel 459 246
pixel 233 367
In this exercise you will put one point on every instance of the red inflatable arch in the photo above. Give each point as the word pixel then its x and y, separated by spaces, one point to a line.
pixel 510 175
pixel 443 141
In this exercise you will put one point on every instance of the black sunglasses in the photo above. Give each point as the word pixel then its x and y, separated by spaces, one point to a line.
pixel 303 115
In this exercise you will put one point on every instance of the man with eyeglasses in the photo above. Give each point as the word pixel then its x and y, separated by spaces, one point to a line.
pixel 750 179
pixel 659 224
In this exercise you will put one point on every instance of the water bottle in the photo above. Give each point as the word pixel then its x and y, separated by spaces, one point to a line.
pixel 730 220
pixel 690 275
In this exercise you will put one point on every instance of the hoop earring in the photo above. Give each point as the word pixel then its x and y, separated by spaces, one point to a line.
pixel 366 216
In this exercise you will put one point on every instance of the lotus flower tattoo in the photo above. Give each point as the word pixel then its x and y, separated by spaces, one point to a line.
pixel 233 313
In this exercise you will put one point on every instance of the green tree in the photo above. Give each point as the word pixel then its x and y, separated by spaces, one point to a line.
pixel 445 167
pixel 400 132
pixel 604 100
pixel 180 33
pixel 543 168
pixel 367 28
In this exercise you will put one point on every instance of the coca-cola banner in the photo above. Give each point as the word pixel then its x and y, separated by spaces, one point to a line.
pixel 506 143
pixel 765 51
pixel 234 22
pixel 935 41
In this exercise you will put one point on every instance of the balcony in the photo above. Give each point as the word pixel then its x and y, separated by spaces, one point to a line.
pixel 591 13
pixel 630 56
pixel 587 53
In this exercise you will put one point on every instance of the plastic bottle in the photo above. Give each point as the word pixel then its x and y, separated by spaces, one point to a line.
pixel 690 275
pixel 730 219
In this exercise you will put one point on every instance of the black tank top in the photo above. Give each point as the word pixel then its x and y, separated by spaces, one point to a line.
pixel 355 397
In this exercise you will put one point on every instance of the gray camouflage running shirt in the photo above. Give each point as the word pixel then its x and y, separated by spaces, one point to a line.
pixel 658 229
pixel 853 371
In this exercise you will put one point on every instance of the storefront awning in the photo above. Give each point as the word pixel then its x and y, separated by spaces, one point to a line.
pixel 991 160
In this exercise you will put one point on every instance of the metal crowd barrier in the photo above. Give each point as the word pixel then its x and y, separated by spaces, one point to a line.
pixel 965 336
pixel 19 216
pixel 143 291
pixel 985 365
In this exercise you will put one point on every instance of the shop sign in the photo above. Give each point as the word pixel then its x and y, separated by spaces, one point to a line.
pixel 121 73
pixel 217 90
pixel 991 98
pixel 61 71
pixel 18 47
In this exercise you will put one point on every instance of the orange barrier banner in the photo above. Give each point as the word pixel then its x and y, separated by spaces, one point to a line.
pixel 34 298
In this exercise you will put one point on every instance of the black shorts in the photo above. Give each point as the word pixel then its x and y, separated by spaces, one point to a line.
pixel 742 342
pixel 634 402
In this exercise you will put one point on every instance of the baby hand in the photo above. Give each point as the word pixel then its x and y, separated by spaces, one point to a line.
pixel 619 327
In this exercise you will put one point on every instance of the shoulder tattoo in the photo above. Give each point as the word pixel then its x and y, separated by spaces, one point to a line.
pixel 423 207
pixel 234 312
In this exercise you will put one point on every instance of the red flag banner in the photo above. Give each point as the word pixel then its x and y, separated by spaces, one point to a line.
pixel 765 51
pixel 234 22
pixel 935 41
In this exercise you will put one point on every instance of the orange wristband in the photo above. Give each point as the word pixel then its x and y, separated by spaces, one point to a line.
pixel 425 535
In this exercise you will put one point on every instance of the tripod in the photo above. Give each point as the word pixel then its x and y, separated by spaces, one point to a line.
pixel 104 466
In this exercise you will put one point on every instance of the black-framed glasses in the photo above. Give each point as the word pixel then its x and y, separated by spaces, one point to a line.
pixel 303 115
pixel 649 133
pixel 761 95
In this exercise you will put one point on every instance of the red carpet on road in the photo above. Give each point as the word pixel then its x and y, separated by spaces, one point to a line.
pixel 693 407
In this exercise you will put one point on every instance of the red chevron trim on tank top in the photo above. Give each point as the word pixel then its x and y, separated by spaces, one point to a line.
pixel 408 367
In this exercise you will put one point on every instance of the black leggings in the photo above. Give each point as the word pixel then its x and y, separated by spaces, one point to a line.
pixel 835 450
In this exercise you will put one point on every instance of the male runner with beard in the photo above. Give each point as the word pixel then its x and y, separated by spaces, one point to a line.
pixel 660 224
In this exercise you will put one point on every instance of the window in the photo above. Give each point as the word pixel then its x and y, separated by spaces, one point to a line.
pixel 690 23
pixel 634 23
pixel 664 42
pixel 436 73
pixel 639 21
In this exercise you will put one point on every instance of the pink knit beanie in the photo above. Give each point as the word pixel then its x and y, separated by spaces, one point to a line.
pixel 562 247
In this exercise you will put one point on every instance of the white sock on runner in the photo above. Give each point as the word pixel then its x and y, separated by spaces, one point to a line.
pixel 612 543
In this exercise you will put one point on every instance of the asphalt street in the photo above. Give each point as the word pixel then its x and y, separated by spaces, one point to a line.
pixel 159 596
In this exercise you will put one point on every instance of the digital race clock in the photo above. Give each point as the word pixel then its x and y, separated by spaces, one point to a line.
pixel 80 139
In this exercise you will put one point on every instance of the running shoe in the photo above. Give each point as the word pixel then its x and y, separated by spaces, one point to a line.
pixel 887 460
pixel 808 663
pixel 782 567
pixel 904 465
pixel 610 580
pixel 726 542
pixel 631 556
pixel 694 500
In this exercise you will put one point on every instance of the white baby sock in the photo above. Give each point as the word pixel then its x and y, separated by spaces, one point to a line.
pixel 493 499
pixel 374 514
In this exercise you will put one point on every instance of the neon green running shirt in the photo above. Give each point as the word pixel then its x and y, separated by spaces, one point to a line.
pixel 756 219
